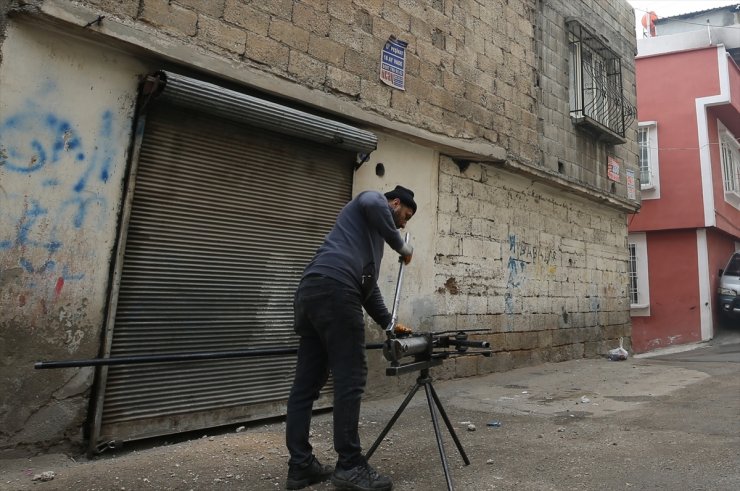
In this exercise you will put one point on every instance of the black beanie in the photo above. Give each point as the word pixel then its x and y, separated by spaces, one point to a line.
pixel 405 195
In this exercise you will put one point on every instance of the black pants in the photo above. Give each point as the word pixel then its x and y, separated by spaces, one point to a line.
pixel 329 319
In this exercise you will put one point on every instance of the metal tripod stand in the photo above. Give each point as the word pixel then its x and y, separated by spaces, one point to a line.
pixel 424 380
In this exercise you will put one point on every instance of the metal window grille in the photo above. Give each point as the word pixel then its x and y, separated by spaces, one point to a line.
pixel 633 274
pixel 643 143
pixel 634 294
pixel 730 168
pixel 596 94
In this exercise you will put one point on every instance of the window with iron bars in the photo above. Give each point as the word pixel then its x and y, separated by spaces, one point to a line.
pixel 643 144
pixel 647 159
pixel 634 297
pixel 730 164
pixel 596 96
pixel 639 283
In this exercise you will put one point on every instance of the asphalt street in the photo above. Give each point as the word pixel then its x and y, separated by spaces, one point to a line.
pixel 670 420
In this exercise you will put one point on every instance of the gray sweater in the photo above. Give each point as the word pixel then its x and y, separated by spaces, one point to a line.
pixel 352 250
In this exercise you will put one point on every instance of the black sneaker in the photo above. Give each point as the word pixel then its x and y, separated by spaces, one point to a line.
pixel 361 478
pixel 311 472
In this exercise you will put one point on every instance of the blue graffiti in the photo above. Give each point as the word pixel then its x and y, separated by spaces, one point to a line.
pixel 69 276
pixel 28 220
pixel 514 280
pixel 26 224
pixel 38 142
pixel 48 267
pixel 516 268
pixel 33 140
pixel 100 162
pixel 26 264
pixel 508 303
pixel 106 135
pixel 595 304
pixel 78 217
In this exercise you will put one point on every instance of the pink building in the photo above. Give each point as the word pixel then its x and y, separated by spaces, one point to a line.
pixel 688 100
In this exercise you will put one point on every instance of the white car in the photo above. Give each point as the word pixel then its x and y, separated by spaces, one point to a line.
pixel 729 288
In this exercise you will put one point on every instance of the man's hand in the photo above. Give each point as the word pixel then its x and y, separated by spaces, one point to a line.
pixel 401 329
pixel 406 252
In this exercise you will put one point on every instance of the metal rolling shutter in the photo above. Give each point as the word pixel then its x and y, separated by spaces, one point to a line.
pixel 223 220
pixel 207 98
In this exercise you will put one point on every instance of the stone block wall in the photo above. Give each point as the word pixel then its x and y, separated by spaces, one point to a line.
pixel 542 273
pixel 469 64
pixel 531 249
pixel 566 151
pixel 487 72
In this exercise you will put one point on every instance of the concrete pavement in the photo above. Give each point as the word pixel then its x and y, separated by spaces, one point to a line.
pixel 670 420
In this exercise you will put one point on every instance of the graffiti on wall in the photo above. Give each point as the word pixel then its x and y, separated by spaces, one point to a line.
pixel 54 196
pixel 522 258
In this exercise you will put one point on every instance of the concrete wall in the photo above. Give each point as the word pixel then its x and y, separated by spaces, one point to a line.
pixel 693 223
pixel 415 167
pixel 680 204
pixel 65 127
pixel 675 307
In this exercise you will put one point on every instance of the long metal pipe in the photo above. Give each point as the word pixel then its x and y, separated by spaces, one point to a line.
pixel 175 357
pixel 397 297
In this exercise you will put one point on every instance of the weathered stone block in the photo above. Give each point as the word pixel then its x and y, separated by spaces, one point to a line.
pixel 268 51
pixel 285 32
pixel 306 68
pixel 446 371
pixel 341 81
pixel 246 16
pixel 324 49
pixel 213 8
pixel 216 32
pixel 277 8
pixel 466 366
pixel 319 5
pixel 374 95
pixel 171 18
pixel 345 34
pixel 499 362
pixel 359 64
pixel 477 305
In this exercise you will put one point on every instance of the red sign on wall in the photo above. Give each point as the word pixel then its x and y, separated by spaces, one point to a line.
pixel 613 165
